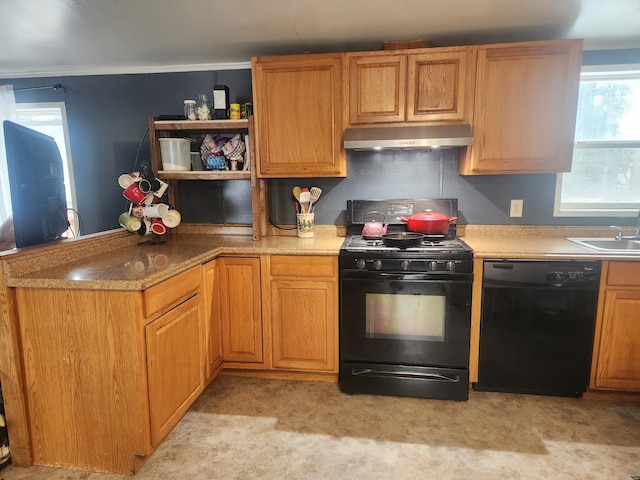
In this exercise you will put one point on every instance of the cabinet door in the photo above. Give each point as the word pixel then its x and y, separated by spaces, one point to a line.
pixel 299 116
pixel 377 88
pixel 304 313
pixel 618 353
pixel 240 309
pixel 85 377
pixel 213 328
pixel 175 365
pixel 440 86
pixel 525 108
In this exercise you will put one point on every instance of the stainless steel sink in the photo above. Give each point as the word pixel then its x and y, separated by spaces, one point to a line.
pixel 624 245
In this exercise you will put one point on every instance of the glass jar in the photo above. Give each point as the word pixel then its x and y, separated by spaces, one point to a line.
pixel 203 108
pixel 190 110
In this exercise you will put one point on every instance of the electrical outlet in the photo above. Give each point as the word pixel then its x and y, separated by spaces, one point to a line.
pixel 516 208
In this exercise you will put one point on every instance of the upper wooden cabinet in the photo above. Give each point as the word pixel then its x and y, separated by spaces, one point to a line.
pixel 299 115
pixel 525 108
pixel 423 85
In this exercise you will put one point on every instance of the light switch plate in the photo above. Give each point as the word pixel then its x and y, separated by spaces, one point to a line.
pixel 516 208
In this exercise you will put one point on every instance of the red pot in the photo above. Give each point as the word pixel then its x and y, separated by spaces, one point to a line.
pixel 429 222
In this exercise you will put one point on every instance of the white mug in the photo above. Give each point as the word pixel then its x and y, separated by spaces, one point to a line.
pixel 156 210
pixel 126 179
pixel 172 218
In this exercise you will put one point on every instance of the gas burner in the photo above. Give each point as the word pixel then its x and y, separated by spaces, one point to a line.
pixel 358 243
pixel 432 254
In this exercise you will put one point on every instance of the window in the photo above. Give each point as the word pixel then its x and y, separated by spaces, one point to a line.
pixel 605 173
pixel 51 119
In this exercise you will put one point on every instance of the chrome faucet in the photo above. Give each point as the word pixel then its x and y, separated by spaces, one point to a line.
pixel 618 232
pixel 620 235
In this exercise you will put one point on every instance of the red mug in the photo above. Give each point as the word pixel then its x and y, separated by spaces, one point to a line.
pixel 133 193
pixel 158 227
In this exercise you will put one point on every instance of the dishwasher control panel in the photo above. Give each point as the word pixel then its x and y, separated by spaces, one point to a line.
pixel 541 272
pixel 572 275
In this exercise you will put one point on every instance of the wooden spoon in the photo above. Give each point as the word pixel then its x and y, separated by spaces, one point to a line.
pixel 296 192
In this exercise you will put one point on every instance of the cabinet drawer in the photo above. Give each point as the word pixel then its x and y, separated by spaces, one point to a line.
pixel 303 266
pixel 624 273
pixel 171 292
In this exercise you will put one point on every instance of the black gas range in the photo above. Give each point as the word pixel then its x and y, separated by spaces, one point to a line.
pixel 405 313
pixel 436 253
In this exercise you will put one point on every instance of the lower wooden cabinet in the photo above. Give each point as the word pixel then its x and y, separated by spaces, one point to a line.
pixel 303 314
pixel 279 313
pixel 240 310
pixel 212 319
pixel 175 365
pixel 109 372
pixel 616 357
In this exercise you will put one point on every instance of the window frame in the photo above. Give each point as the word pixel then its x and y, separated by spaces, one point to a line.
pixel 591 73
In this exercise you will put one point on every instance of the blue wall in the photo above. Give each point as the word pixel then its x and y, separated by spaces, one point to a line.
pixel 108 116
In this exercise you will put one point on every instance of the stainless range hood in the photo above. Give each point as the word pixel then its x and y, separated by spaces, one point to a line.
pixel 407 137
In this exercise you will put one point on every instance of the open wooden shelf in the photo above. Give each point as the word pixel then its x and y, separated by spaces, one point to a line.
pixel 203 175
pixel 174 128
pixel 203 126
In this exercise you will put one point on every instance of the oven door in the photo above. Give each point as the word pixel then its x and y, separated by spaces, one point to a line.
pixel 405 319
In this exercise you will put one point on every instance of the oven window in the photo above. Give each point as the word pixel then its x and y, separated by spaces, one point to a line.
pixel 406 317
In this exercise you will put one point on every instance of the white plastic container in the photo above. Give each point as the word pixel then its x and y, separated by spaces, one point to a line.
pixel 175 153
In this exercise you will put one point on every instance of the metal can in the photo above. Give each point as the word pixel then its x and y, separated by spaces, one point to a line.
pixel 234 111
pixel 246 110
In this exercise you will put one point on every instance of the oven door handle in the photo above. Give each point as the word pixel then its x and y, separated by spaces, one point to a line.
pixel 412 375
pixel 407 276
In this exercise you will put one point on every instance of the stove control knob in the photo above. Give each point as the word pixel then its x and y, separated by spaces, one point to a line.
pixel 361 264
pixel 451 266
pixel 377 264
pixel 433 265
pixel 404 265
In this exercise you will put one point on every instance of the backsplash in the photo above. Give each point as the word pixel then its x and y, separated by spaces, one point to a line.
pixel 483 200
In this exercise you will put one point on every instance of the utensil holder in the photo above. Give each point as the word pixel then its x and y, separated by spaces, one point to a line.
pixel 305 224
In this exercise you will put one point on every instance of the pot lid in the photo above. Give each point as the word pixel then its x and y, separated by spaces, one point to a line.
pixel 430 215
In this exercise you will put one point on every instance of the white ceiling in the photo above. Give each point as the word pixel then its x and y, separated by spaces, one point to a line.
pixel 83 37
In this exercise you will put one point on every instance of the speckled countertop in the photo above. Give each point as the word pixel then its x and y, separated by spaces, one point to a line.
pixel 139 266
pixel 538 242
pixel 130 265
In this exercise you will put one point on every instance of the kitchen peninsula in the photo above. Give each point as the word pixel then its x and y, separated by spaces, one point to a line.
pixel 107 342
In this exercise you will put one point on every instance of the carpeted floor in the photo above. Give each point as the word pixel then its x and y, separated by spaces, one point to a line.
pixel 245 428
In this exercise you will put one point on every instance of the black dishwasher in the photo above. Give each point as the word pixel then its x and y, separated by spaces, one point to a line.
pixel 537 326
